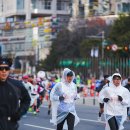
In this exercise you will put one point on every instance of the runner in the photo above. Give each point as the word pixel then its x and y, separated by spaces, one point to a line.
pixel 115 99
pixel 64 94
pixel 128 87
pixel 34 96
pixel 51 84
pixel 43 84
pixel 27 84
pixel 77 80
pixel 101 105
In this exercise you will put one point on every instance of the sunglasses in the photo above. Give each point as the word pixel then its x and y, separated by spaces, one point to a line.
pixel 4 68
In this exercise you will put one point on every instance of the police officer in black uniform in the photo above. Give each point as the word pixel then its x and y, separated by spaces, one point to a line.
pixel 14 98
pixel 128 87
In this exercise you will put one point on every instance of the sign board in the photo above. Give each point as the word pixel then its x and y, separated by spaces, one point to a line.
pixel 114 47
pixel 104 42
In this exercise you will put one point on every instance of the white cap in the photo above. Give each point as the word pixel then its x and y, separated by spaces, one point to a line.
pixel 41 74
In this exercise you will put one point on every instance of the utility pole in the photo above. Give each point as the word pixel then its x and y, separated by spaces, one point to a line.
pixel 103 37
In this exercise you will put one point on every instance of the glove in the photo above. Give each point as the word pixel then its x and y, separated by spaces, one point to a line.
pixel 106 100
pixel 61 98
pixel 16 117
pixel 120 98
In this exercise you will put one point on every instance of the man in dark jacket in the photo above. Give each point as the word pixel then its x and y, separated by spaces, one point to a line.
pixel 128 87
pixel 101 105
pixel 14 98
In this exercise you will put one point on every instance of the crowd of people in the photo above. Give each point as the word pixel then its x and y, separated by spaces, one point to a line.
pixel 27 94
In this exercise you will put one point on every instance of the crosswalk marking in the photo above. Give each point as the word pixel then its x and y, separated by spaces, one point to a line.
pixel 88 120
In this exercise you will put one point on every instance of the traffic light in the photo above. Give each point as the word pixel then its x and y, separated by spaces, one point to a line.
pixel 108 48
pixel 126 48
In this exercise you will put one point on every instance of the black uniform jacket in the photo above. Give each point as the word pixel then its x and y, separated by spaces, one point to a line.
pixel 14 102
pixel 127 86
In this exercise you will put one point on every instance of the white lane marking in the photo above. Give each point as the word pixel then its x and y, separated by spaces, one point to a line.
pixel 82 119
pixel 88 120
pixel 44 106
pixel 40 127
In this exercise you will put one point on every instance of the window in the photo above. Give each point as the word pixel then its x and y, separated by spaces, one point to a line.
pixel 47 4
pixel 20 4
pixel 33 4
pixel 126 7
pixel 81 12
pixel 21 46
pixel 8 47
pixel 5 47
pixel 119 7
pixel 61 5
pixel 41 4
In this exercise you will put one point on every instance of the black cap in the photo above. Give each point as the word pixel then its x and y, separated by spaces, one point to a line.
pixel 6 61
pixel 106 76
pixel 70 73
pixel 129 79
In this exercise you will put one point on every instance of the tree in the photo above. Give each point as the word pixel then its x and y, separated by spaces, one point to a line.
pixel 120 34
pixel 87 45
pixel 65 46
pixel 96 25
pixel 71 44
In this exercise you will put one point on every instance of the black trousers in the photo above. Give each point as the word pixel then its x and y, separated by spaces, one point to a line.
pixel 8 125
pixel 70 122
pixel 101 105
pixel 113 123
pixel 128 111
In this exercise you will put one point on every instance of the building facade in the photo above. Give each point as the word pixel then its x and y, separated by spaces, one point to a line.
pixel 27 30
pixel 28 9
pixel 86 8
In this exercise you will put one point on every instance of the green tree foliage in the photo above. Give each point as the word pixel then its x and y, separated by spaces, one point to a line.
pixel 65 46
pixel 120 34
pixel 71 44
pixel 87 45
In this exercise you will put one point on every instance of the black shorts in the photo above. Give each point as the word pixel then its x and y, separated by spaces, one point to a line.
pixel 43 93
pixel 101 105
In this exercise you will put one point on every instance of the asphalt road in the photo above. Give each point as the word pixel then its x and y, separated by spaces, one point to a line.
pixel 87 114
